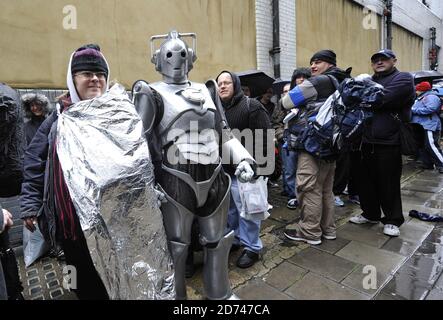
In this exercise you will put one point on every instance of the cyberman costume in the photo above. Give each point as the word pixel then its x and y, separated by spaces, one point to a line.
pixel 186 131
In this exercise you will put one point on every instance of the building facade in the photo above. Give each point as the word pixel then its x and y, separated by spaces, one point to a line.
pixel 38 36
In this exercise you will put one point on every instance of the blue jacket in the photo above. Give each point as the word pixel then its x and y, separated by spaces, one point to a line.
pixel 426 110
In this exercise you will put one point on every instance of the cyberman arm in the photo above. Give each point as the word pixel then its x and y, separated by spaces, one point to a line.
pixel 232 148
pixel 150 112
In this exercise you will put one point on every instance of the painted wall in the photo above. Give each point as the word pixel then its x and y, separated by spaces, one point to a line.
pixel 350 31
pixel 35 46
pixel 336 25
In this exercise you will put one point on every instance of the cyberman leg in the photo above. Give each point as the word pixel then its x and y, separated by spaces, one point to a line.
pixel 216 251
pixel 178 222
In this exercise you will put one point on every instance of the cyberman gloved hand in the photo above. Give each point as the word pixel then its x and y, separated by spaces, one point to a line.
pixel 244 172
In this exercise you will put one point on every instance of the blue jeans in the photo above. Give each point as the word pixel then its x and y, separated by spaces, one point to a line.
pixel 289 159
pixel 247 232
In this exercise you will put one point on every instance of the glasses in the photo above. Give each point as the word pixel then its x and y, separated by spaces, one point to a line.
pixel 89 75
pixel 224 83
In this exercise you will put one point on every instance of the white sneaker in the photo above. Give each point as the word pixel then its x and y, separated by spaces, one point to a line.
pixel 339 202
pixel 391 230
pixel 329 237
pixel 361 220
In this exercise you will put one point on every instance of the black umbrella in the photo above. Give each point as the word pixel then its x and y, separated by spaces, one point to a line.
pixel 257 81
pixel 426 75
pixel 278 85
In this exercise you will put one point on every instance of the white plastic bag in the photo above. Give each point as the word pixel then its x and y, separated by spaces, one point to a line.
pixel 34 245
pixel 254 199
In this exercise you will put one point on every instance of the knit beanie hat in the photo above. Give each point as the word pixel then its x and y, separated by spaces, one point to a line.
pixel 328 56
pixel 89 58
pixel 423 86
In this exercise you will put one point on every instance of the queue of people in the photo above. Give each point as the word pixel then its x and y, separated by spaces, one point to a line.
pixel 209 193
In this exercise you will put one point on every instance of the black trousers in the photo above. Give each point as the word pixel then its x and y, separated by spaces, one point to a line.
pixel 89 283
pixel 341 175
pixel 381 170
pixel 10 269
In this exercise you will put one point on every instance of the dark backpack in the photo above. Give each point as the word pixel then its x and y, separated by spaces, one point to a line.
pixel 12 142
pixel 350 106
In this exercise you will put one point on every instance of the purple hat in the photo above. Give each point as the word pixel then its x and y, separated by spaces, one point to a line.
pixel 89 58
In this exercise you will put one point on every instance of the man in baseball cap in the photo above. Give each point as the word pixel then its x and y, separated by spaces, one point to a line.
pixel 383 61
pixel 385 53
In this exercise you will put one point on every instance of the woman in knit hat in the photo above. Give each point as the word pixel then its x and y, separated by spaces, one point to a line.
pixel 44 191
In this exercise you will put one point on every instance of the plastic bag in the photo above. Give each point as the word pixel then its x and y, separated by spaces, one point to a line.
pixel 34 245
pixel 254 199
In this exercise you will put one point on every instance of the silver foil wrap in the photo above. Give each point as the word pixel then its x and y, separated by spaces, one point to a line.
pixel 109 174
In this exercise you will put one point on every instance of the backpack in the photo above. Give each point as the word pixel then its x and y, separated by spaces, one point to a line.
pixel 339 122
pixel 12 142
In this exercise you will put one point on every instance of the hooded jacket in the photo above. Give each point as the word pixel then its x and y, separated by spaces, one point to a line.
pixel 426 110
pixel 37 197
pixel 34 122
pixel 245 113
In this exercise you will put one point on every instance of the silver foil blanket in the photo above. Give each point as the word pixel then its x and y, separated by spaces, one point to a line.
pixel 109 174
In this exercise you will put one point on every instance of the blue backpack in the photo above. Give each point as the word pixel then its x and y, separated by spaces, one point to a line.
pixel 340 121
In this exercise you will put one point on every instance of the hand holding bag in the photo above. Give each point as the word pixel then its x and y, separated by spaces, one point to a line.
pixel 254 199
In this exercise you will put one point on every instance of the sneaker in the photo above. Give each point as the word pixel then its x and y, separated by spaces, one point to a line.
pixel 339 202
pixel 440 170
pixel 391 230
pixel 292 235
pixel 354 199
pixel 329 236
pixel 292 204
pixel 361 220
pixel 247 259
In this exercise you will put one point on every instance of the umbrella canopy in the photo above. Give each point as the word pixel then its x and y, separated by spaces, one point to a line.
pixel 257 81
pixel 426 75
pixel 278 85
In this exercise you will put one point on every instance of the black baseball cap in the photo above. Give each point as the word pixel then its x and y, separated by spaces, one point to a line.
pixel 384 53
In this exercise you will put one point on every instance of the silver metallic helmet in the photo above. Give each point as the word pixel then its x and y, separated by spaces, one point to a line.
pixel 174 59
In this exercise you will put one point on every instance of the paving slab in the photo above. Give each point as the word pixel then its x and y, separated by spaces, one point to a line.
pixel 411 237
pixel 284 276
pixel 387 296
pixel 384 261
pixel 401 286
pixel 284 215
pixel 257 289
pixel 363 233
pixel 324 264
pixel 435 294
pixel 332 246
pixel 361 280
pixel 315 287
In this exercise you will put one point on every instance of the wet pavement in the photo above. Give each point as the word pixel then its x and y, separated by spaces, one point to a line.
pixel 361 264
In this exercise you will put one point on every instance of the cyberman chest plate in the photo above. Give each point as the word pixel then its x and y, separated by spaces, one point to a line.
pixel 188 122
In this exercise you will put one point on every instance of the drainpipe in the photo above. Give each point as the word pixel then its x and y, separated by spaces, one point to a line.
pixel 433 51
pixel 275 51
pixel 388 14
